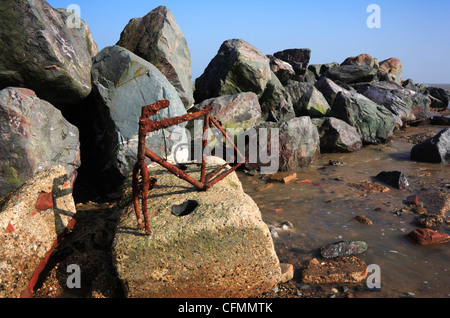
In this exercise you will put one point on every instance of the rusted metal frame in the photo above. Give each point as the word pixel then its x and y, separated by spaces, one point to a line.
pixel 140 168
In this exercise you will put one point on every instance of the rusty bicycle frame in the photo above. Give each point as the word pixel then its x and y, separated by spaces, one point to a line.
pixel 140 168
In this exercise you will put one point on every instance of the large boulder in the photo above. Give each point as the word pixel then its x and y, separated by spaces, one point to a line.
pixel 298 58
pixel 337 136
pixel 33 135
pixel 319 69
pixel 124 83
pixel 239 67
pixel 361 59
pixel 439 97
pixel 307 100
pixel 286 145
pixel 31 227
pixel 283 70
pixel 42 52
pixel 404 103
pixel 350 74
pixel 374 123
pixel 434 150
pixel 158 39
pixel 329 89
pixel 239 111
pixel 391 70
pixel 222 248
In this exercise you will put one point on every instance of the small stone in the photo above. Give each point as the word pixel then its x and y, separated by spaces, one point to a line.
pixel 265 187
pixel 273 232
pixel 287 272
pixel 419 210
pixel 287 225
pixel 413 199
pixel 283 177
pixel 303 181
pixel 343 248
pixel 364 220
pixel 428 236
pixel 334 290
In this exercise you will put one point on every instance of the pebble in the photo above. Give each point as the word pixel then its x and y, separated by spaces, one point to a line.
pixel 419 210
pixel 334 291
pixel 273 232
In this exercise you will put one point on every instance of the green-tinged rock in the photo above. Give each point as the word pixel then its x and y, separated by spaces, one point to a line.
pixel 33 135
pixel 222 249
pixel 343 248
pixel 307 100
pixel 158 39
pixel 374 123
pixel 42 51
pixel 123 84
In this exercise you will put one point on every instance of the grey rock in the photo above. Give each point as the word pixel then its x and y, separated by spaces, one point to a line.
pixel 298 58
pixel 124 83
pixel 33 135
pixel 158 39
pixel 391 70
pixel 307 100
pixel 283 70
pixel 433 150
pixel 329 89
pixel 374 123
pixel 343 248
pixel 337 136
pixel 350 74
pixel 43 52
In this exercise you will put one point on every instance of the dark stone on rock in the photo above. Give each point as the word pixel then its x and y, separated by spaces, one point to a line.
pixel 283 70
pixel 409 84
pixel 307 100
pixel 439 97
pixel 434 150
pixel 124 83
pixel 374 123
pixel 393 178
pixel 298 58
pixel 319 69
pixel 33 136
pixel 440 121
pixel 350 74
pixel 158 39
pixel 40 52
pixel 343 248
pixel 337 136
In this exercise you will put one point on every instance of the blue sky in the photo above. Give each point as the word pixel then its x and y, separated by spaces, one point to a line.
pixel 416 32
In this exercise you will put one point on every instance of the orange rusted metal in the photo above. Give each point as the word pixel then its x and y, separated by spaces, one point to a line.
pixel 140 169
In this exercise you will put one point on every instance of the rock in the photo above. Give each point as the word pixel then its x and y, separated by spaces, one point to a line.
pixel 428 237
pixel 374 123
pixel 369 187
pixel 342 271
pixel 240 67
pixel 391 70
pixel 319 69
pixel 298 145
pixel 337 136
pixel 364 220
pixel 33 135
pixel 287 272
pixel 409 84
pixel 404 103
pixel 429 220
pixel 437 202
pixel 350 74
pixel 283 177
pixel 433 150
pixel 283 70
pixel 412 199
pixel 42 53
pixel 265 187
pixel 240 111
pixel 298 58
pixel 23 251
pixel 393 178
pixel 223 249
pixel 361 59
pixel 439 97
pixel 158 39
pixel 343 248
pixel 307 100
pixel 440 120
pixel 329 89
pixel 124 83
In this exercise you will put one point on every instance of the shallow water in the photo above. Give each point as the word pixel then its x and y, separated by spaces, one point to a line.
pixel 324 212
